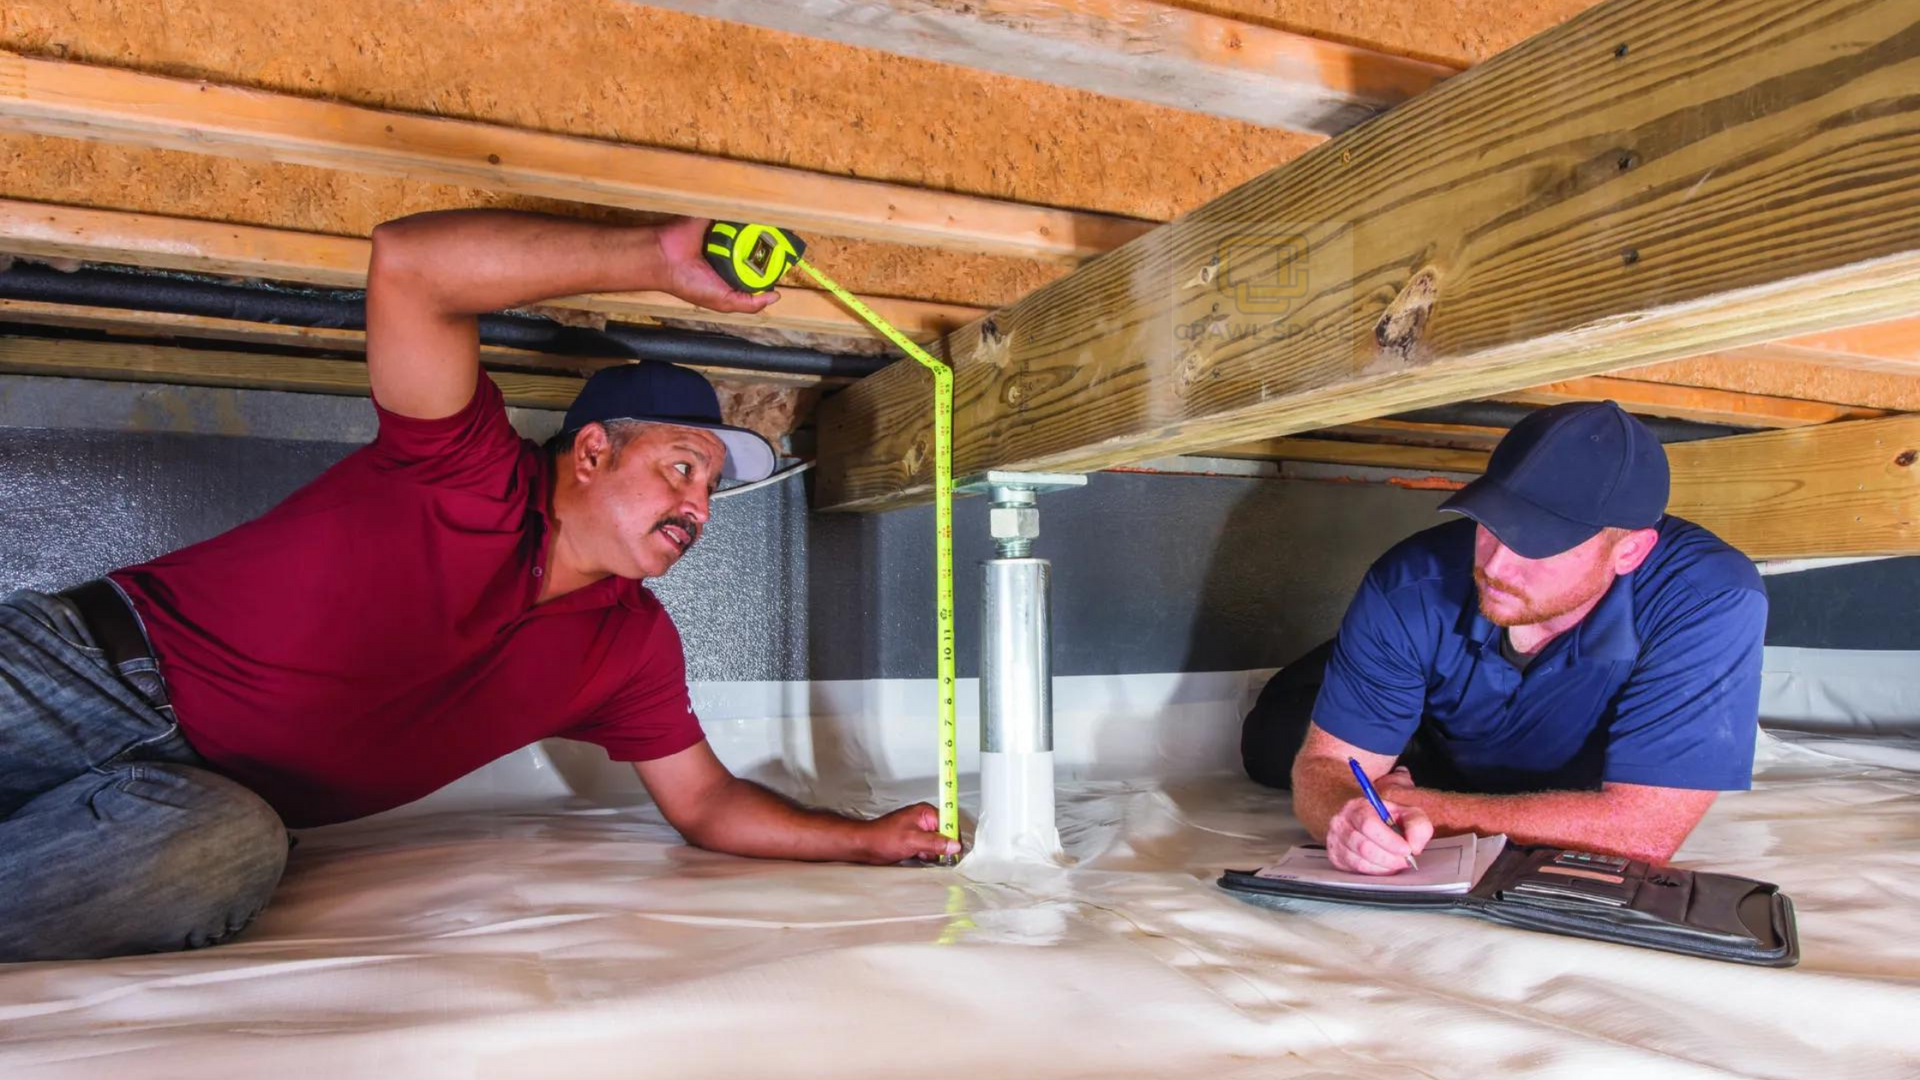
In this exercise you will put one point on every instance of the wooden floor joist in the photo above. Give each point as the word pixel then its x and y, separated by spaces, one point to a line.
pixel 1838 489
pixel 1342 452
pixel 1412 433
pixel 1700 404
pixel 1645 182
pixel 1897 340
pixel 160 324
pixel 255 371
pixel 1134 49
pixel 1783 372
pixel 44 230
pixel 51 97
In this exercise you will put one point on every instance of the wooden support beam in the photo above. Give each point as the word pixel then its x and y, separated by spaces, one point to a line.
pixel 1340 452
pixel 52 97
pixel 45 230
pixel 1412 433
pixel 1700 404
pixel 253 371
pixel 1122 48
pixel 1622 189
pixel 1839 489
pixel 162 324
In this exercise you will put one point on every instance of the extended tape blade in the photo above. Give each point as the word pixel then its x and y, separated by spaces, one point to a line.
pixel 947 703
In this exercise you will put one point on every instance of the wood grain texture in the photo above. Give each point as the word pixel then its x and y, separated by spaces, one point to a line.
pixel 1839 489
pixel 1340 452
pixel 1897 340
pixel 1648 181
pixel 1412 433
pixel 1698 403
pixel 199 328
pixel 208 367
pixel 81 101
pixel 1131 49
pixel 46 230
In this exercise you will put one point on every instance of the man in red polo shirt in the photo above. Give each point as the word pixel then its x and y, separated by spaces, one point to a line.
pixel 441 597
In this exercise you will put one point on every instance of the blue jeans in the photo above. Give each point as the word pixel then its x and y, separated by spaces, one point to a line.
pixel 115 837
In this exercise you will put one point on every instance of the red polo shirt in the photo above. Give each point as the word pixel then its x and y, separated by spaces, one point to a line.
pixel 374 637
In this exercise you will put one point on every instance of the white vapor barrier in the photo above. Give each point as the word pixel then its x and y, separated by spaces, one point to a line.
pixel 1842 691
pixel 540 920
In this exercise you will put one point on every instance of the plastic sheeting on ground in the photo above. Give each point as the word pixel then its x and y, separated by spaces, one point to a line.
pixel 556 936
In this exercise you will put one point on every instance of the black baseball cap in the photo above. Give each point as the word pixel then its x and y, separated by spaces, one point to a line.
pixel 662 393
pixel 1563 474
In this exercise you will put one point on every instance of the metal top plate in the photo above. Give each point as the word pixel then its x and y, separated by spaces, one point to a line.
pixel 1039 482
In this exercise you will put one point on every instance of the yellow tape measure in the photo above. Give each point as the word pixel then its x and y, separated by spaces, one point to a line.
pixel 752 258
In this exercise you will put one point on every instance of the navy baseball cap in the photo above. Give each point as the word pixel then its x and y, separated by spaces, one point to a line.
pixel 1563 474
pixel 662 393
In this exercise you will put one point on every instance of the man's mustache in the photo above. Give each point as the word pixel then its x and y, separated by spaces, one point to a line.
pixel 1481 579
pixel 685 524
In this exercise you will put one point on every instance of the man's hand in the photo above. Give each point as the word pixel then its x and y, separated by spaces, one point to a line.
pixel 683 251
pixel 911 832
pixel 716 810
pixel 1360 843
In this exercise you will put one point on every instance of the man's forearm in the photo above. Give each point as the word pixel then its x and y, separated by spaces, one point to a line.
pixel 1589 820
pixel 747 819
pixel 469 262
pixel 1321 787
pixel 1643 823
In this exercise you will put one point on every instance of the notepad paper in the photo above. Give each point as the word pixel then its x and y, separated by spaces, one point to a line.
pixel 1452 864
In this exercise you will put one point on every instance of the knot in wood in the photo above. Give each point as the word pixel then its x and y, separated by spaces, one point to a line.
pixel 994 346
pixel 1906 458
pixel 1191 368
pixel 1405 321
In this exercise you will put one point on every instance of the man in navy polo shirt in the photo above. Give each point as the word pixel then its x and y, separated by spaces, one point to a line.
pixel 1570 665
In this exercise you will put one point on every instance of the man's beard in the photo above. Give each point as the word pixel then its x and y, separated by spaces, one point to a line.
pixel 1533 613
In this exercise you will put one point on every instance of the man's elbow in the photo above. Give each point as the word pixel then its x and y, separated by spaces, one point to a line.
pixel 702 838
pixel 703 821
pixel 1654 823
pixel 399 260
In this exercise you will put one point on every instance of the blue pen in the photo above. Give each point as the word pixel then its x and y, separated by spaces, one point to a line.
pixel 1366 788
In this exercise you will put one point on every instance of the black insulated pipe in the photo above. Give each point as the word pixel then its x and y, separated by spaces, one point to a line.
pixel 346 310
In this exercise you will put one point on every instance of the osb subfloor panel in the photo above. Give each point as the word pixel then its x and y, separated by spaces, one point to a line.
pixel 351 204
pixel 1457 32
pixel 616 70
pixel 1793 379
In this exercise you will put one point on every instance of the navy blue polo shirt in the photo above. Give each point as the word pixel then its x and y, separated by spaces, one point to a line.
pixel 1658 685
